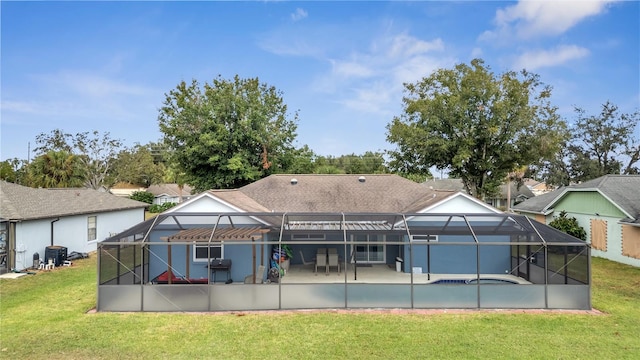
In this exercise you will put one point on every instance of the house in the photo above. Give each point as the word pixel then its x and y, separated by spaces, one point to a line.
pixel 537 187
pixel 517 194
pixel 124 189
pixel 339 241
pixel 33 219
pixel 608 208
pixel 170 193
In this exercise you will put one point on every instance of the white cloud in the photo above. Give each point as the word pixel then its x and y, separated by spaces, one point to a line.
pixel 72 95
pixel 476 52
pixel 351 69
pixel 292 46
pixel 372 81
pixel 299 14
pixel 92 84
pixel 537 59
pixel 533 18
pixel 403 46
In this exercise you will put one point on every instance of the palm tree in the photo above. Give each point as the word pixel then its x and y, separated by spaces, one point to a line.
pixel 516 175
pixel 56 169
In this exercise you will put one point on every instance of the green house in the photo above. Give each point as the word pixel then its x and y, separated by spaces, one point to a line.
pixel 608 208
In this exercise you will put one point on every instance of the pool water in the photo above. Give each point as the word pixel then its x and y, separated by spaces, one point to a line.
pixel 474 281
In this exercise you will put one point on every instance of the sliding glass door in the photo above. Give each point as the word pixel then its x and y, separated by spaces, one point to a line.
pixel 369 248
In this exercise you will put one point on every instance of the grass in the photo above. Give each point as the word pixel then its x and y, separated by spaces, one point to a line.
pixel 45 316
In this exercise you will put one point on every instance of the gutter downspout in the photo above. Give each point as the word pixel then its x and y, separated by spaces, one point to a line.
pixel 58 219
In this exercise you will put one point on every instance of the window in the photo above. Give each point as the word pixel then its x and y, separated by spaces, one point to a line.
pixel 201 252
pixel 424 238
pixel 92 233
pixel 307 236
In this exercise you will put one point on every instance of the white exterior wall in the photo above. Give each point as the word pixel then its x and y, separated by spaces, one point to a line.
pixel 31 237
pixel 205 203
pixel 70 231
pixel 209 204
pixel 463 205
pixel 166 199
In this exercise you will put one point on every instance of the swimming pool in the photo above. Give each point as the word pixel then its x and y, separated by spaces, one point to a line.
pixel 475 281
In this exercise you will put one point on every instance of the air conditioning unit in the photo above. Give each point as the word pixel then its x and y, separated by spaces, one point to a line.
pixel 57 253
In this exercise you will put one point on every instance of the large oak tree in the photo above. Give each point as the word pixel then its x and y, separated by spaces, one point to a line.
pixel 479 125
pixel 228 133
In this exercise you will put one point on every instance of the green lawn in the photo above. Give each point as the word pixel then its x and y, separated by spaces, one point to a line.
pixel 44 316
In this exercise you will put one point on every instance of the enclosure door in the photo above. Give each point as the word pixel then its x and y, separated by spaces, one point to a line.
pixel 366 250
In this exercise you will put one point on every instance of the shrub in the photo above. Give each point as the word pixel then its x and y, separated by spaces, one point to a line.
pixel 143 196
pixel 158 208
pixel 569 225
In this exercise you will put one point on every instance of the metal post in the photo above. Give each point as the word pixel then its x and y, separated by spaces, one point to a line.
pixel 344 239
pixel 475 238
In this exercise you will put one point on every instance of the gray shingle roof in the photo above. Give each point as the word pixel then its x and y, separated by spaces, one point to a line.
pixel 24 203
pixel 169 189
pixel 457 185
pixel 342 193
pixel 623 190
pixel 539 203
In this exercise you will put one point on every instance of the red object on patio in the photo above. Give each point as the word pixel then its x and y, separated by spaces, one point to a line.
pixel 164 279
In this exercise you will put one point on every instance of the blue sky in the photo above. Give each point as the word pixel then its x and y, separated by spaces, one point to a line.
pixel 84 66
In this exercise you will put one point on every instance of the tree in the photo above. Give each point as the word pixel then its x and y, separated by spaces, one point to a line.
pixel 601 144
pixel 95 151
pixel 569 225
pixel 478 125
pixel 298 161
pixel 136 166
pixel 56 169
pixel 13 170
pixel 228 133
pixel 367 163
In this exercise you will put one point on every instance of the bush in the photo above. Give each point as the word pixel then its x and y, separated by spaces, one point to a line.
pixel 143 196
pixel 569 225
pixel 155 208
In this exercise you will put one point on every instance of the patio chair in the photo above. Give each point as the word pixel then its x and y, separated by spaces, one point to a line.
pixel 305 262
pixel 333 261
pixel 321 260
pixel 259 275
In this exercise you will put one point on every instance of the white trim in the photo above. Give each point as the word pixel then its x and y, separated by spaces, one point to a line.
pixel 205 245
pixel 214 198
pixel 468 197
pixel 95 227
pixel 568 190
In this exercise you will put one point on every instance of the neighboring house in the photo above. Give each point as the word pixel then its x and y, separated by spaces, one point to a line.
pixel 537 187
pixel 170 193
pixel 331 241
pixel 517 195
pixel 608 208
pixel 33 219
pixel 123 189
